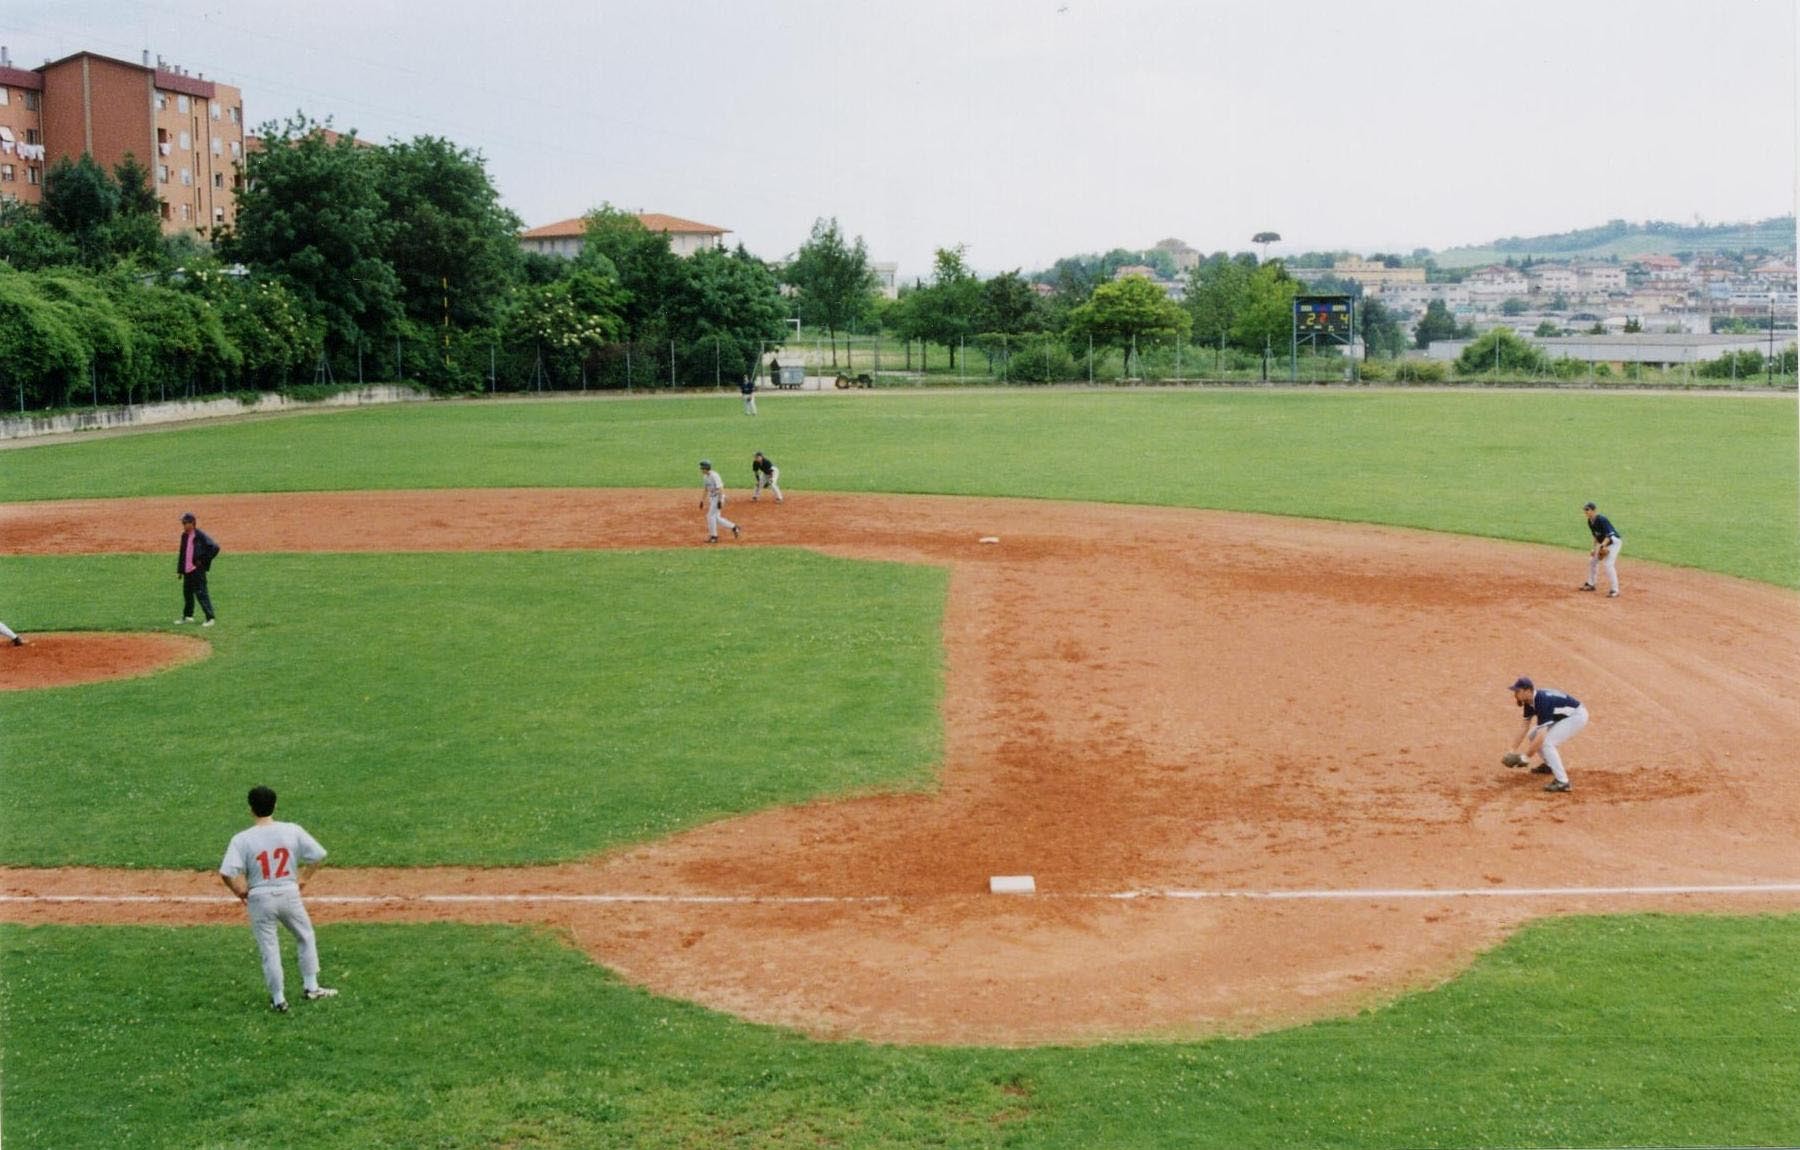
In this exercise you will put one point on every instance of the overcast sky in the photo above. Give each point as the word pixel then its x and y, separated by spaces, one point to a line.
pixel 1031 129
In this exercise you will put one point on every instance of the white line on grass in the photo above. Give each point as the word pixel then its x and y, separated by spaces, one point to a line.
pixel 1368 894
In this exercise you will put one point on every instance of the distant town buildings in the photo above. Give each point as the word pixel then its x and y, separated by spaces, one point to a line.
pixel 185 130
pixel 565 238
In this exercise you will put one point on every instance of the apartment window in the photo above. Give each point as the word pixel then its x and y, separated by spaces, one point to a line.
pixel 237 114
pixel 184 213
pixel 218 215
pixel 162 173
pixel 34 175
pixel 186 141
pixel 187 177
pixel 212 108
pixel 31 101
pixel 2 95
pixel 181 103
pixel 218 146
pixel 165 211
pixel 33 136
pixel 235 149
pixel 218 179
pixel 162 101
pixel 6 173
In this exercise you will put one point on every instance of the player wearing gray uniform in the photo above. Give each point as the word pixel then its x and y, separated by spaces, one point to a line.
pixel 1607 543
pixel 767 475
pixel 1552 718
pixel 265 867
pixel 712 501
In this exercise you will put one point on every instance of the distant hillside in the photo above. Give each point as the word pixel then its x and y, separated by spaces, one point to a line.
pixel 1625 240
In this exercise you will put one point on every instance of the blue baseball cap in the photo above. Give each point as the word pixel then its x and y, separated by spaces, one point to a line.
pixel 1522 684
pixel 1589 507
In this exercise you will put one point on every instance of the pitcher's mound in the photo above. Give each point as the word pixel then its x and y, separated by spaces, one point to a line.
pixel 66 658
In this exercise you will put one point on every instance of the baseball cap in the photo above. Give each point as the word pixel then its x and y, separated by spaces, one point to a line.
pixel 188 517
pixel 1589 506
pixel 706 465
pixel 1522 684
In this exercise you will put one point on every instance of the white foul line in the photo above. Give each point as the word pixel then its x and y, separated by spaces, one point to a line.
pixel 1370 894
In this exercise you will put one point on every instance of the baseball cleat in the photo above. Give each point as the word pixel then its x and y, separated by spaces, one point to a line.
pixel 1612 594
pixel 1541 769
pixel 278 1007
pixel 18 640
pixel 184 619
pixel 319 992
pixel 208 623
pixel 736 534
pixel 712 538
pixel 1586 587
pixel 1557 787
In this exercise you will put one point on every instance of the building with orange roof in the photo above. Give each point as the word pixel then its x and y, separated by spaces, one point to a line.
pixel 564 238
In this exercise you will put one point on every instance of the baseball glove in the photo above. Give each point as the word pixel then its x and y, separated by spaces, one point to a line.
pixel 1513 759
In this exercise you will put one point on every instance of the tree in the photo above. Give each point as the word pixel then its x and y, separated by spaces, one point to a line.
pixel 453 247
pixel 832 281
pixel 1217 288
pixel 1514 306
pixel 1008 305
pixel 949 309
pixel 1266 318
pixel 731 301
pixel 1500 350
pixel 80 199
pixel 1547 329
pixel 617 244
pixel 1437 323
pixel 1120 313
pixel 1264 239
pixel 311 215
pixel 1633 325
pixel 27 243
pixel 1380 329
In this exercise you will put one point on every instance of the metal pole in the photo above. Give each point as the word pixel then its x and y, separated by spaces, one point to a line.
pixel 1134 356
pixel 1769 364
pixel 399 363
pixel 962 359
pixel 671 365
pixel 359 377
pixel 490 369
pixel 1090 361
pixel 718 380
pixel 627 367
pixel 94 379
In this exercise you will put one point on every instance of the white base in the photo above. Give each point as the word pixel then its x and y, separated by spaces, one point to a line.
pixel 1012 884
pixel 989 539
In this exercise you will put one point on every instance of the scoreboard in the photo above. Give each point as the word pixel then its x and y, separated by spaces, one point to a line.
pixel 1328 316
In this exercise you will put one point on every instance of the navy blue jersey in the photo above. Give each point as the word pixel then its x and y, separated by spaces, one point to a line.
pixel 1602 528
pixel 763 466
pixel 1549 706
pixel 748 385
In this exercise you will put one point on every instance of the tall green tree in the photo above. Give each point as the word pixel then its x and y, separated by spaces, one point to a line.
pixel 453 247
pixel 312 215
pixel 80 201
pixel 948 310
pixel 731 300
pixel 1217 289
pixel 1009 306
pixel 1436 323
pixel 619 245
pixel 833 284
pixel 1124 312
pixel 27 243
pixel 1381 332
pixel 1266 318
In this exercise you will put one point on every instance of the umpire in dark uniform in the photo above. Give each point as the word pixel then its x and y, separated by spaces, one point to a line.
pixel 194 555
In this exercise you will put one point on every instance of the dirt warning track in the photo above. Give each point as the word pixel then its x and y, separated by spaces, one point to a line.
pixel 1138 700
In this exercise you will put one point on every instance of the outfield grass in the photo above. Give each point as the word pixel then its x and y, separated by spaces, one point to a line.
pixel 1619 1031
pixel 502 708
pixel 1703 481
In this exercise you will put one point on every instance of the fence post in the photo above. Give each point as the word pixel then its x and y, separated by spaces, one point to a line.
pixel 94 379
pixel 718 380
pixel 490 367
pixel 627 367
pixel 399 363
pixel 1090 361
pixel 962 359
pixel 359 377
pixel 671 365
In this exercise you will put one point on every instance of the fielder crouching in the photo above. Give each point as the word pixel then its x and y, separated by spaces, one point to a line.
pixel 1551 719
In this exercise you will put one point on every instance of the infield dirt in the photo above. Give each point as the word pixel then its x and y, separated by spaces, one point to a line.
pixel 1137 699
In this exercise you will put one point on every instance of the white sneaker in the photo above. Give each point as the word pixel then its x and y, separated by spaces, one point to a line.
pixel 184 619
pixel 319 992
pixel 208 623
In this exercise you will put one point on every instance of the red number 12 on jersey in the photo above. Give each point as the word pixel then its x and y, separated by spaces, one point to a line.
pixel 281 863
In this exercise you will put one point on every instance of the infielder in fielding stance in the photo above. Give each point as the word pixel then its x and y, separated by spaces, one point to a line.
pixel 1606 550
pixel 1551 719
pixel 712 501
pixel 265 867
pixel 767 475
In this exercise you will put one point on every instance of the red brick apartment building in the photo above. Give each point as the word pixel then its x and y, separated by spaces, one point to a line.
pixel 187 130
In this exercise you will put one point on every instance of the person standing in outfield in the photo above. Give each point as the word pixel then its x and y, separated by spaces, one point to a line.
pixel 11 636
pixel 712 501
pixel 1606 550
pixel 767 475
pixel 265 866
pixel 748 387
pixel 774 371
pixel 194 555
pixel 1551 719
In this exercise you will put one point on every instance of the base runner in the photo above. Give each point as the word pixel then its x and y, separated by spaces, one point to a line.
pixel 265 867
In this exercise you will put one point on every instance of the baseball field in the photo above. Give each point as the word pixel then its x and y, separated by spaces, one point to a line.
pixel 637 841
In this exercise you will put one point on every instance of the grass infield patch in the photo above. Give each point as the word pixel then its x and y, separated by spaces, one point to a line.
pixel 1615 1031
pixel 471 708
pixel 1701 481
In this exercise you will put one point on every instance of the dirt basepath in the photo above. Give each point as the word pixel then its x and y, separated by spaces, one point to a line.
pixel 1138 699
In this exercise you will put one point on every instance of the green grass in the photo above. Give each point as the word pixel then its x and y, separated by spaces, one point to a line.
pixel 499 708
pixel 1703 481
pixel 1620 1031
